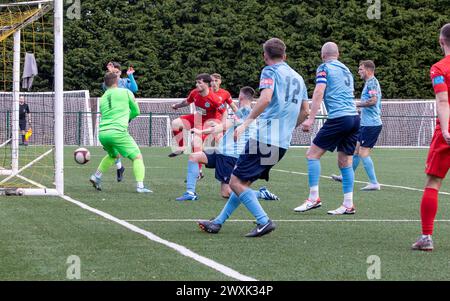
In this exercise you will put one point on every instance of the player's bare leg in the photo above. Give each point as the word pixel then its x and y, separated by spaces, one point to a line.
pixel 177 128
pixel 355 164
pixel 225 190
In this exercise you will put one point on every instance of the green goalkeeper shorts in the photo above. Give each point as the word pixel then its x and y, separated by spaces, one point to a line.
pixel 117 142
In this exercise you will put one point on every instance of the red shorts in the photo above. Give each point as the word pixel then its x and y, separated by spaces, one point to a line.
pixel 438 161
pixel 196 121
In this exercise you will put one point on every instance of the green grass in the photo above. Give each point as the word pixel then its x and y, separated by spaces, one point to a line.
pixel 38 234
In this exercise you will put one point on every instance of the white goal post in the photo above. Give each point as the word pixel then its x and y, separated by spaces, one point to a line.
pixel 39 8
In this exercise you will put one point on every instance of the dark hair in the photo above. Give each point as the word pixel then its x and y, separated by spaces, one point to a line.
pixel 205 77
pixel 275 48
pixel 368 64
pixel 248 92
pixel 111 79
pixel 216 75
pixel 445 34
pixel 115 64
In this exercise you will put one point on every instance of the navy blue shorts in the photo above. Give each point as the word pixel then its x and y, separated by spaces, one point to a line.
pixel 257 160
pixel 340 133
pixel 222 164
pixel 368 135
pixel 23 124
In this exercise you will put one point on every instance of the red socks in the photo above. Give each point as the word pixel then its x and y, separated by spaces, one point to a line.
pixel 428 210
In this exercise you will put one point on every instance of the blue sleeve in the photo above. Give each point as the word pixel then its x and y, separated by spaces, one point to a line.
pixel 131 84
pixel 372 88
pixel 321 74
pixel 267 80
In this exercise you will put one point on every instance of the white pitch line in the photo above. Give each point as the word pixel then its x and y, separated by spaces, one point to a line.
pixel 180 249
pixel 362 182
pixel 294 220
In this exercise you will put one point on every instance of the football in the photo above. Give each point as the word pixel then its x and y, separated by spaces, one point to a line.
pixel 82 155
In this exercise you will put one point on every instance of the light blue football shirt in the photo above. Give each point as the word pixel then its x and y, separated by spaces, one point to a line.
pixel 371 116
pixel 338 98
pixel 227 146
pixel 278 120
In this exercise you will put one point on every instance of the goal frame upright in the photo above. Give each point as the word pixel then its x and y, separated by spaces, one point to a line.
pixel 44 7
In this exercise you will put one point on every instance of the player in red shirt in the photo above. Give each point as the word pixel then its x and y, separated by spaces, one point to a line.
pixel 208 108
pixel 224 95
pixel 438 161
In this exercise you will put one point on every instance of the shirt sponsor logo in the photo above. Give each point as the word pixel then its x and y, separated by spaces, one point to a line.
pixel 266 82
pixel 200 110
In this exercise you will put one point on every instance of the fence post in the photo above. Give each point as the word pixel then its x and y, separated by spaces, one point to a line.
pixel 150 129
pixel 8 124
pixel 79 127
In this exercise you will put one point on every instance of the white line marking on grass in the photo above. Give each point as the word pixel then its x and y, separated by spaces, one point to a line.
pixel 362 182
pixel 295 220
pixel 180 249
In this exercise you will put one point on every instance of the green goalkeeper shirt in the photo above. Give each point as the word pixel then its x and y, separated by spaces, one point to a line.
pixel 118 108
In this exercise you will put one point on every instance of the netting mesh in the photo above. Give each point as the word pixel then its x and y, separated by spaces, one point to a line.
pixel 77 131
pixel 12 17
pixel 152 127
pixel 405 123
pixel 36 31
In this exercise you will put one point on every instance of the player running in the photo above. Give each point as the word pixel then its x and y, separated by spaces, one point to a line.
pixel 224 157
pixel 371 124
pixel 334 85
pixel 118 108
pixel 281 106
pixel 438 161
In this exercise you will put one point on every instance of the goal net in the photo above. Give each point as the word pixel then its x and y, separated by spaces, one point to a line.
pixel 406 123
pixel 153 126
pixel 31 145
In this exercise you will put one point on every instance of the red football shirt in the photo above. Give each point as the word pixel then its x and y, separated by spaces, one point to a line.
pixel 224 96
pixel 209 106
pixel 440 76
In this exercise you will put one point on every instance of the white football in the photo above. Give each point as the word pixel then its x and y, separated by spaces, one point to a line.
pixel 82 155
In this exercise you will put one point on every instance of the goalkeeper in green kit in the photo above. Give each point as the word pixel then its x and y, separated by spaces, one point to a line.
pixel 118 108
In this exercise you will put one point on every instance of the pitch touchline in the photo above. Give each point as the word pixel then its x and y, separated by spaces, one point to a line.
pixel 179 248
pixel 293 220
pixel 362 182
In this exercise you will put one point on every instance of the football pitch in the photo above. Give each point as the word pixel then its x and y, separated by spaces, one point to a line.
pixel 121 235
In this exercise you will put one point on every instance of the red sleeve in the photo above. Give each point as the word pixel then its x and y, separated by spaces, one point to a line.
pixel 438 80
pixel 190 98
pixel 229 100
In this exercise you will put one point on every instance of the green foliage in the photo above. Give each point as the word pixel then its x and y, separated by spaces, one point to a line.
pixel 169 41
